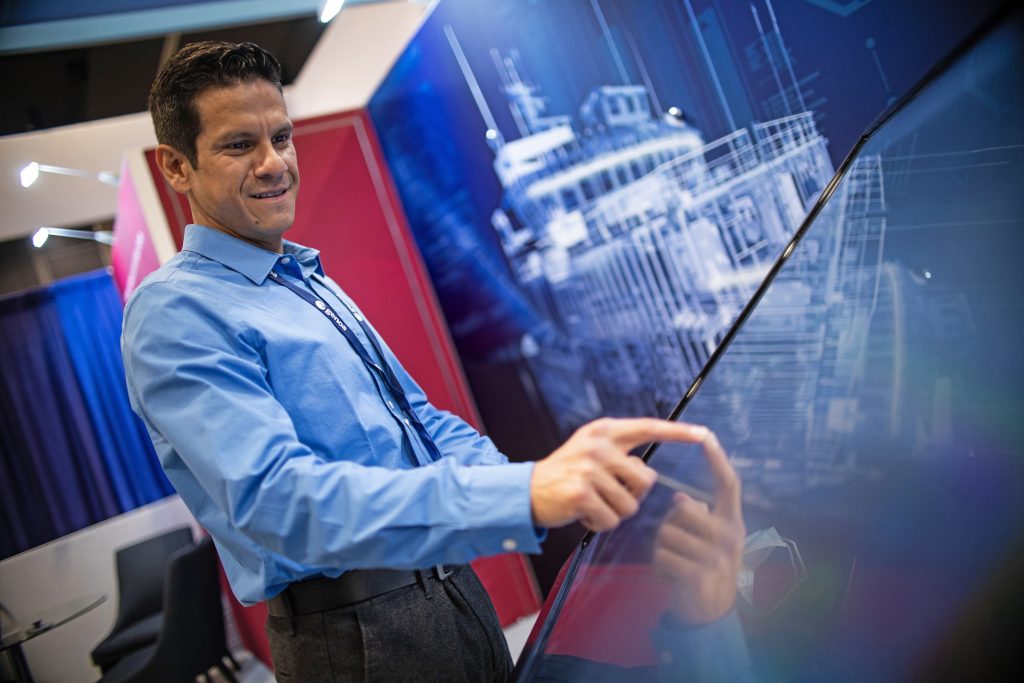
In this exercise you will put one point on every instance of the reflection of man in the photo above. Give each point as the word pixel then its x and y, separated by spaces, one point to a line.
pixel 328 481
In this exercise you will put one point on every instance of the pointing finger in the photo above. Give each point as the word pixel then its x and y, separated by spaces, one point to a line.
pixel 627 433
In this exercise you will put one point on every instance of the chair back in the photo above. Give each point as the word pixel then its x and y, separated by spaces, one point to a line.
pixel 192 639
pixel 141 569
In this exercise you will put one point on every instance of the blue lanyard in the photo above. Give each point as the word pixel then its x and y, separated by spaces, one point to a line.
pixel 382 368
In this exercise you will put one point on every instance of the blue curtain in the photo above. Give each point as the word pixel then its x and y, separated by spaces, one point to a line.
pixel 72 453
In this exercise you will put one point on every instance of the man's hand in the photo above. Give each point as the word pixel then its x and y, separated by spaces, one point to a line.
pixel 593 479
pixel 700 548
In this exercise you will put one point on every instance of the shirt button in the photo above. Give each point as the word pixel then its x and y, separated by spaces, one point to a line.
pixel 509 544
pixel 286 259
pixel 406 420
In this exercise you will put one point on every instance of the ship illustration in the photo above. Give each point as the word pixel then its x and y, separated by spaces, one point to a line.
pixel 635 237
pixel 639 242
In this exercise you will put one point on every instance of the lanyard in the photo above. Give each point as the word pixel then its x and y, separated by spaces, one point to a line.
pixel 382 368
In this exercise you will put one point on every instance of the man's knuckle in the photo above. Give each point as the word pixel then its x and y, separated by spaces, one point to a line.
pixel 600 427
pixel 578 494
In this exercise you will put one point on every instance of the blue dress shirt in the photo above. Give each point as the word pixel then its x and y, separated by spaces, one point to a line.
pixel 286 448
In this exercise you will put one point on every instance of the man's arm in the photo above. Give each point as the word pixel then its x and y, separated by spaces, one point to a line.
pixel 204 392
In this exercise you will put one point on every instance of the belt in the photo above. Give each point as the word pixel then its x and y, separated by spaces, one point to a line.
pixel 321 593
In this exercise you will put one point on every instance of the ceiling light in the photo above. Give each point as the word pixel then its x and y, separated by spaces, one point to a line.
pixel 329 9
pixel 101 236
pixel 30 174
pixel 39 239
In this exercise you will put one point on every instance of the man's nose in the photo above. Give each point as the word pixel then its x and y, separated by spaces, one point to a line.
pixel 270 161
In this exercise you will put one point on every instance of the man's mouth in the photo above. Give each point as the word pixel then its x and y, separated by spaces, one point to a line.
pixel 269 195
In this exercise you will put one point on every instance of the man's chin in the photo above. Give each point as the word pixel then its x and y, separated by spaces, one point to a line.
pixel 275 224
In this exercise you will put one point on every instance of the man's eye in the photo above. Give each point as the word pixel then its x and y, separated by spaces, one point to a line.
pixel 238 145
pixel 282 138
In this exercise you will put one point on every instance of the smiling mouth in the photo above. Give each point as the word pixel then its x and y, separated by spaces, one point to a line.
pixel 269 195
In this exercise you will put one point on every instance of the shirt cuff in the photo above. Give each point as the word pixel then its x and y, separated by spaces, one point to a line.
pixel 499 497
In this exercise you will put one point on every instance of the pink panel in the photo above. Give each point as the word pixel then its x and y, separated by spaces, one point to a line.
pixel 133 255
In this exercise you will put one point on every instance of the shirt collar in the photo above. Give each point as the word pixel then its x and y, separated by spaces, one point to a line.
pixel 248 259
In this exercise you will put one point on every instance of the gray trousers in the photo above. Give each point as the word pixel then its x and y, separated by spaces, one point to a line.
pixel 440 631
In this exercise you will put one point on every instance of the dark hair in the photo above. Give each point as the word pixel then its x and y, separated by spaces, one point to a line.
pixel 193 69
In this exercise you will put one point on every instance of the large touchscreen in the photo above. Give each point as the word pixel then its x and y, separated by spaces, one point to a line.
pixel 871 401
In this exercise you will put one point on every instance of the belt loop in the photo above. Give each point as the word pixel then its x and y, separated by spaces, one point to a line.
pixel 286 600
pixel 422 577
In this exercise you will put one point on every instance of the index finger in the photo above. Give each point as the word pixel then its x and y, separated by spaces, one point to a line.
pixel 627 433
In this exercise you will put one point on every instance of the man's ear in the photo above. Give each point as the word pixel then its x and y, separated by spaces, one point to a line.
pixel 177 169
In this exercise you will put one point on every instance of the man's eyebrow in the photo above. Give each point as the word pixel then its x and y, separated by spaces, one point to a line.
pixel 245 134
pixel 228 136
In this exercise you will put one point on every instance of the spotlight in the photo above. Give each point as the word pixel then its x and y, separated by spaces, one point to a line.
pixel 329 9
pixel 30 174
pixel 39 239
pixel 43 234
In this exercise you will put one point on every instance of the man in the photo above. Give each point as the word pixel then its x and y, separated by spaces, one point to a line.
pixel 333 489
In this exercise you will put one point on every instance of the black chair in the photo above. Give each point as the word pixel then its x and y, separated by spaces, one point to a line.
pixel 141 568
pixel 192 640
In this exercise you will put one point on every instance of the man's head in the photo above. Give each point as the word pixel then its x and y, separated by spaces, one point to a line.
pixel 225 139
pixel 193 69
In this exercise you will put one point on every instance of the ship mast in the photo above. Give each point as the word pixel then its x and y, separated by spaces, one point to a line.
pixel 711 66
pixel 611 43
pixel 785 55
pixel 643 72
pixel 771 60
pixel 495 140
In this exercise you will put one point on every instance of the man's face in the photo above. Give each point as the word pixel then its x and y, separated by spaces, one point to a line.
pixel 247 176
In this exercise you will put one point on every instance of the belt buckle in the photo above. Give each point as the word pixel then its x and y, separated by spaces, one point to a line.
pixel 441 573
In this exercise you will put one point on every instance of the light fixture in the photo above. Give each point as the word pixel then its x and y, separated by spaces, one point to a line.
pixel 39 239
pixel 30 174
pixel 329 9
pixel 43 234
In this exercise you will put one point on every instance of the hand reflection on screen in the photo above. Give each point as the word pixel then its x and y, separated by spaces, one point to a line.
pixel 683 626
pixel 699 547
